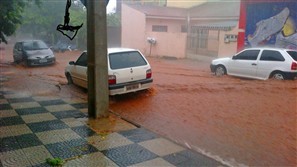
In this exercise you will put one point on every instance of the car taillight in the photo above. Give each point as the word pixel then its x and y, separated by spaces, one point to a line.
pixel 149 74
pixel 294 66
pixel 112 79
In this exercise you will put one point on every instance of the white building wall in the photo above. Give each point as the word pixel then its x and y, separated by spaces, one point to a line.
pixel 168 44
pixel 133 28
pixel 227 49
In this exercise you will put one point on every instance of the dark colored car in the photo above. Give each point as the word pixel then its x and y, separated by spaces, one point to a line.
pixel 60 47
pixel 63 46
pixel 33 52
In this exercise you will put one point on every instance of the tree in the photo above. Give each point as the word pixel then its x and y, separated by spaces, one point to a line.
pixel 41 22
pixel 11 16
pixel 78 16
pixel 113 19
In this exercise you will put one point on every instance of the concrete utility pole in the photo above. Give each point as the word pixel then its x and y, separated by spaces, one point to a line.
pixel 98 93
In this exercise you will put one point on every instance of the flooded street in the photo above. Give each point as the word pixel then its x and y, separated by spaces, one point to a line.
pixel 235 120
pixel 247 121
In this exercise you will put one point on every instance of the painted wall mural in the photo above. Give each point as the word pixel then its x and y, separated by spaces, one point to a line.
pixel 271 24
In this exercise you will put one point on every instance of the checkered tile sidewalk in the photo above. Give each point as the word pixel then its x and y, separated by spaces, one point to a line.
pixel 36 128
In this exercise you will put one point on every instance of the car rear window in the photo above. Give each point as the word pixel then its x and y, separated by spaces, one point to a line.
pixel 126 60
pixel 293 54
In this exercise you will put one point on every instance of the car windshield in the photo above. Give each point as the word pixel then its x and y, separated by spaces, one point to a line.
pixel 126 60
pixel 293 54
pixel 34 45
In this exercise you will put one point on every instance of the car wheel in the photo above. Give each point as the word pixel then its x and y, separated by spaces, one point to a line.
pixel 278 75
pixel 220 71
pixel 69 79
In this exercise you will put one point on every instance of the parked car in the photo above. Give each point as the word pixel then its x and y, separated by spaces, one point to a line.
pixel 128 71
pixel 33 52
pixel 62 47
pixel 258 63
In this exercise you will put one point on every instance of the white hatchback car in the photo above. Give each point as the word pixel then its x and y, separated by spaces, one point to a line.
pixel 258 63
pixel 128 71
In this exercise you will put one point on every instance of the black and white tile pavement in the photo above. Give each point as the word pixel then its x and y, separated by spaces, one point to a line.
pixel 34 128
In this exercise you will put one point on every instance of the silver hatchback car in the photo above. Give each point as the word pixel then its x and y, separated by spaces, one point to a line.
pixel 33 52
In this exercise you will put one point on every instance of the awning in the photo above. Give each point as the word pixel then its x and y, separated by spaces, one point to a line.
pixel 219 25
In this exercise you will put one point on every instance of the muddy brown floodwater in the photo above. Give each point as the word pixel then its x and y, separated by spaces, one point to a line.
pixel 238 121
pixel 242 121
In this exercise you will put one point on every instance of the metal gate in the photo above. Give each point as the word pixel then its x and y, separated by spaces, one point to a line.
pixel 201 42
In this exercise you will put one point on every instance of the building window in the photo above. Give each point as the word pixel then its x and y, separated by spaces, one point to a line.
pixel 199 38
pixel 158 28
pixel 202 40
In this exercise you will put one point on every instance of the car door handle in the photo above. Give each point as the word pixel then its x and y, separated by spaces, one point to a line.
pixel 254 64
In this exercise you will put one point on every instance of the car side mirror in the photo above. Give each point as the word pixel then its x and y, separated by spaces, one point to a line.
pixel 71 63
pixel 234 57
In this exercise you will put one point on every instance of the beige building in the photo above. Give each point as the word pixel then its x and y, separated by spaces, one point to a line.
pixel 184 3
pixel 209 29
